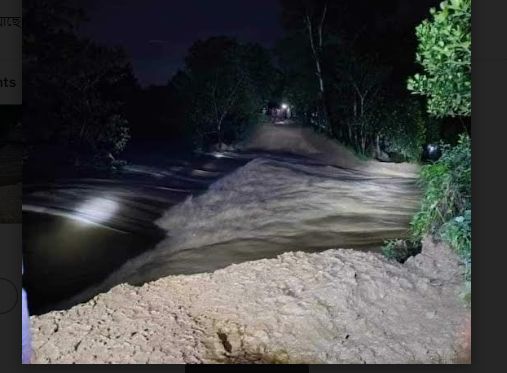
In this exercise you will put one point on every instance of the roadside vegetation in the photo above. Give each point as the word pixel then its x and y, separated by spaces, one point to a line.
pixel 340 79
pixel 76 93
pixel 444 53
pixel 349 81
pixel 223 88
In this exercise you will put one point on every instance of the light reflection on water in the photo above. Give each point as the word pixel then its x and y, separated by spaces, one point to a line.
pixel 98 209
pixel 77 231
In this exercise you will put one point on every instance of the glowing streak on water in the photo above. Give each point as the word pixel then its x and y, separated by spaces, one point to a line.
pixel 98 209
pixel 72 216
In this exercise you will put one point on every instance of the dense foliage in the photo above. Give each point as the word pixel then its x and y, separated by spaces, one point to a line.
pixel 75 91
pixel 445 54
pixel 446 210
pixel 404 130
pixel 223 88
pixel 447 201
pixel 445 51
pixel 348 80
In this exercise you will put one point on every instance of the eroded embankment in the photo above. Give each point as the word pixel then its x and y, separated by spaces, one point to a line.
pixel 269 207
pixel 338 306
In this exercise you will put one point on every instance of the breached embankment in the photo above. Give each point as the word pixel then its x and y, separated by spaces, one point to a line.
pixel 269 207
pixel 336 306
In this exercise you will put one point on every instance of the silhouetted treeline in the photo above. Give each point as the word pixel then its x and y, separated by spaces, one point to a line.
pixel 346 64
pixel 342 66
pixel 214 99
pixel 223 88
pixel 75 91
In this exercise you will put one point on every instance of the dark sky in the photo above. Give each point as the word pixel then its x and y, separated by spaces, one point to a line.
pixel 157 33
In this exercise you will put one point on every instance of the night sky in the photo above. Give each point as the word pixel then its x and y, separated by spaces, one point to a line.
pixel 157 33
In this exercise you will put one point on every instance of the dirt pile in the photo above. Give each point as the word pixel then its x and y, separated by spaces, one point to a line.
pixel 337 306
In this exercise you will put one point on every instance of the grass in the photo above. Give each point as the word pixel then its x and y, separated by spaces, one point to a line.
pixel 446 206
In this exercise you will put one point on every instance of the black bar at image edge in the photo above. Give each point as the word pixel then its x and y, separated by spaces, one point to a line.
pixel 264 368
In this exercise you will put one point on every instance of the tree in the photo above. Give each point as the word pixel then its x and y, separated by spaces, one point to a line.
pixel 307 18
pixel 403 129
pixel 224 86
pixel 445 54
pixel 315 29
pixel 362 81
pixel 300 87
pixel 322 33
pixel 74 89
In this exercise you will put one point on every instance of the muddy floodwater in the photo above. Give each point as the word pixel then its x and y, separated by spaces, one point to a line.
pixel 78 231
pixel 84 236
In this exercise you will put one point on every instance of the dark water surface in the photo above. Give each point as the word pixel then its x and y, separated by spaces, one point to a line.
pixel 77 231
pixel 84 235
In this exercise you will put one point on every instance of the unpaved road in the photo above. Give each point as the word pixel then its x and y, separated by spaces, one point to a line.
pixel 277 204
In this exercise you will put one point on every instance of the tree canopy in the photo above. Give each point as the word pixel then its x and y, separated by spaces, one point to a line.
pixel 223 87
pixel 75 89
pixel 444 52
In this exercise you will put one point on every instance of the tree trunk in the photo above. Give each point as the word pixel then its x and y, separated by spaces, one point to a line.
pixel 219 134
pixel 316 47
pixel 319 76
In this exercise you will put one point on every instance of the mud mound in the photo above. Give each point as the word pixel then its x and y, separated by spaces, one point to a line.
pixel 338 306
pixel 306 142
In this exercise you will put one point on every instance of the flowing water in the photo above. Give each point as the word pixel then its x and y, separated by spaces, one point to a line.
pixel 83 236
pixel 77 231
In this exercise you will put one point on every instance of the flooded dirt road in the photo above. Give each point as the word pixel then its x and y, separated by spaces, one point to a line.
pixel 83 237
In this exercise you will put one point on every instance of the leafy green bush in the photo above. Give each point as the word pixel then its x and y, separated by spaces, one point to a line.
pixel 446 207
pixel 447 202
pixel 447 189
pixel 444 52
pixel 458 233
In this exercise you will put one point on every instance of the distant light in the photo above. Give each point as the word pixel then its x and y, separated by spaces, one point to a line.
pixel 285 106
pixel 218 155
pixel 431 148
pixel 97 210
